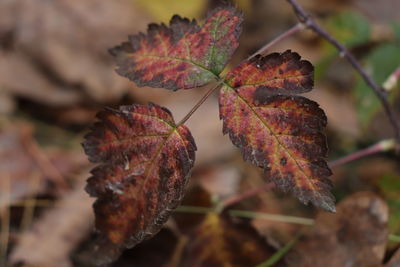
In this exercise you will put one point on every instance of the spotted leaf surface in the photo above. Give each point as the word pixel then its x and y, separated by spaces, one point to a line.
pixel 276 129
pixel 145 163
pixel 183 55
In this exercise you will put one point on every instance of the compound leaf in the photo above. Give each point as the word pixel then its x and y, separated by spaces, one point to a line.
pixel 276 129
pixel 183 55
pixel 145 163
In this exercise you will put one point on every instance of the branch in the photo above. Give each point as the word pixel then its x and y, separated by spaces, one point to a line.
pixel 379 147
pixel 305 18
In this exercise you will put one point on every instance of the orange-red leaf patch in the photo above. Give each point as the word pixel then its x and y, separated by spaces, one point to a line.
pixel 183 55
pixel 145 163
pixel 276 129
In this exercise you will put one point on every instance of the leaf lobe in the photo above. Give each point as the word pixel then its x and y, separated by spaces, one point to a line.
pixel 145 164
pixel 276 129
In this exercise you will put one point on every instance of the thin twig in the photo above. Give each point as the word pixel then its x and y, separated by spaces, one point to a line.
pixel 247 194
pixel 198 104
pixel 379 147
pixel 296 28
pixel 305 18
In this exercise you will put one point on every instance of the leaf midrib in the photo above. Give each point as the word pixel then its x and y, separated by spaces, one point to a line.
pixel 273 134
pixel 150 164
pixel 214 34
pixel 181 60
pixel 156 154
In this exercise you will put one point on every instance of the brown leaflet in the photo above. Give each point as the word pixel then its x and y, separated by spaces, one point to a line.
pixel 145 164
pixel 355 236
pixel 276 129
pixel 219 242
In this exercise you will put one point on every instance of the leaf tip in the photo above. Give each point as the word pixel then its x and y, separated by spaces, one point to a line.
pixel 327 205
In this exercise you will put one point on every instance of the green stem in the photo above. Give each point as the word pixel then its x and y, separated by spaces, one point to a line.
pixel 272 217
pixel 248 214
pixel 280 253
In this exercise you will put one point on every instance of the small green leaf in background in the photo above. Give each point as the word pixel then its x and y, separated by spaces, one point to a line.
pixel 396 31
pixel 380 63
pixel 389 185
pixel 348 27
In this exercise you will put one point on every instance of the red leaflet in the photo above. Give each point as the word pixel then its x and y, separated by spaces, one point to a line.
pixel 276 129
pixel 146 161
pixel 183 55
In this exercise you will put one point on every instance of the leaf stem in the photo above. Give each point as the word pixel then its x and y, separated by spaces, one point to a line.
pixel 247 194
pixel 306 19
pixel 249 214
pixel 296 28
pixel 199 103
pixel 272 217
pixel 382 146
pixel 281 252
